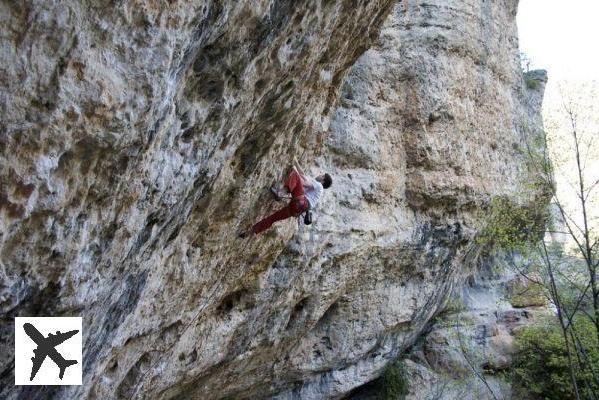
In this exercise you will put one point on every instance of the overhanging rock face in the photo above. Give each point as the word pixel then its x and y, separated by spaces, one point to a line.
pixel 431 125
pixel 136 139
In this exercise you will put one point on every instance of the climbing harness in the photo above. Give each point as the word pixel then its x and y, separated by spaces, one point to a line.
pixel 307 214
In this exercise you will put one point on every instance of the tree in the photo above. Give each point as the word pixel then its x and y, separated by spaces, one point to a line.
pixel 566 255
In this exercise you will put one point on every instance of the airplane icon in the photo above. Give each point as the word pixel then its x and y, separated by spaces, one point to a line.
pixel 46 347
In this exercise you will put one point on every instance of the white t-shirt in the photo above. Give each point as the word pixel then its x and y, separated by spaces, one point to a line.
pixel 314 193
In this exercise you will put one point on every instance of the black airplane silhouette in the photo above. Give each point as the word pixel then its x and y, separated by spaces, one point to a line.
pixel 46 347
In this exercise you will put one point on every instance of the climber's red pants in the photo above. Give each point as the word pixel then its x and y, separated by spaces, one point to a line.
pixel 296 206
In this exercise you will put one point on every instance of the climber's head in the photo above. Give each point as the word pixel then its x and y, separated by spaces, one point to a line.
pixel 325 179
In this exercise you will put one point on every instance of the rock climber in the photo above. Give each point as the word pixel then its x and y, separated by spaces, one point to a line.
pixel 305 193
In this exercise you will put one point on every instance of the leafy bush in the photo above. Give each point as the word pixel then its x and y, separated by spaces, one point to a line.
pixel 532 83
pixel 512 226
pixel 541 363
pixel 393 383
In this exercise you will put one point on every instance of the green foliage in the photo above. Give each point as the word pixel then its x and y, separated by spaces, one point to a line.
pixel 541 368
pixel 539 180
pixel 511 224
pixel 513 227
pixel 393 383
pixel 532 83
pixel 454 304
pixel 523 293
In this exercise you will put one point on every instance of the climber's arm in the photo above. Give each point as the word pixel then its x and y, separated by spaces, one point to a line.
pixel 305 180
pixel 297 167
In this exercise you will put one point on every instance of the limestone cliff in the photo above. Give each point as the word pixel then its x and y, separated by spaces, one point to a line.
pixel 137 137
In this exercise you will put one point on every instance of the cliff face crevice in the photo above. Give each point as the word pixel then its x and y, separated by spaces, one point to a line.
pixel 137 138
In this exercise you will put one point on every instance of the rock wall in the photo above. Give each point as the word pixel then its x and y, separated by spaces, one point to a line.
pixel 138 137
pixel 476 334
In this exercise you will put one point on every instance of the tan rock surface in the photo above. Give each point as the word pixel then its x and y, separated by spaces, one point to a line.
pixel 136 138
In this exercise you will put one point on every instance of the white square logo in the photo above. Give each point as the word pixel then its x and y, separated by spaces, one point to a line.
pixel 48 350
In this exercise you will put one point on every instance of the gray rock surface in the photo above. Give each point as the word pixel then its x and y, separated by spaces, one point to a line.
pixel 474 335
pixel 137 138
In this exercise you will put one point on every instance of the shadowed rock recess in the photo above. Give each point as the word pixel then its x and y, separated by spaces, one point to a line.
pixel 137 137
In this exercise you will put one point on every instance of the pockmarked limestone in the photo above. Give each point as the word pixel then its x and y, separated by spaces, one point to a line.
pixel 137 138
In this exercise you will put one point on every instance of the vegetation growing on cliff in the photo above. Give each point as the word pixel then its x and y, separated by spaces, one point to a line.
pixel 558 359
pixel 512 226
pixel 558 232
pixel 391 385
pixel 541 365
pixel 394 382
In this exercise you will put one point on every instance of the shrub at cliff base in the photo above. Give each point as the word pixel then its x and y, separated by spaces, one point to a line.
pixel 393 383
pixel 541 363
